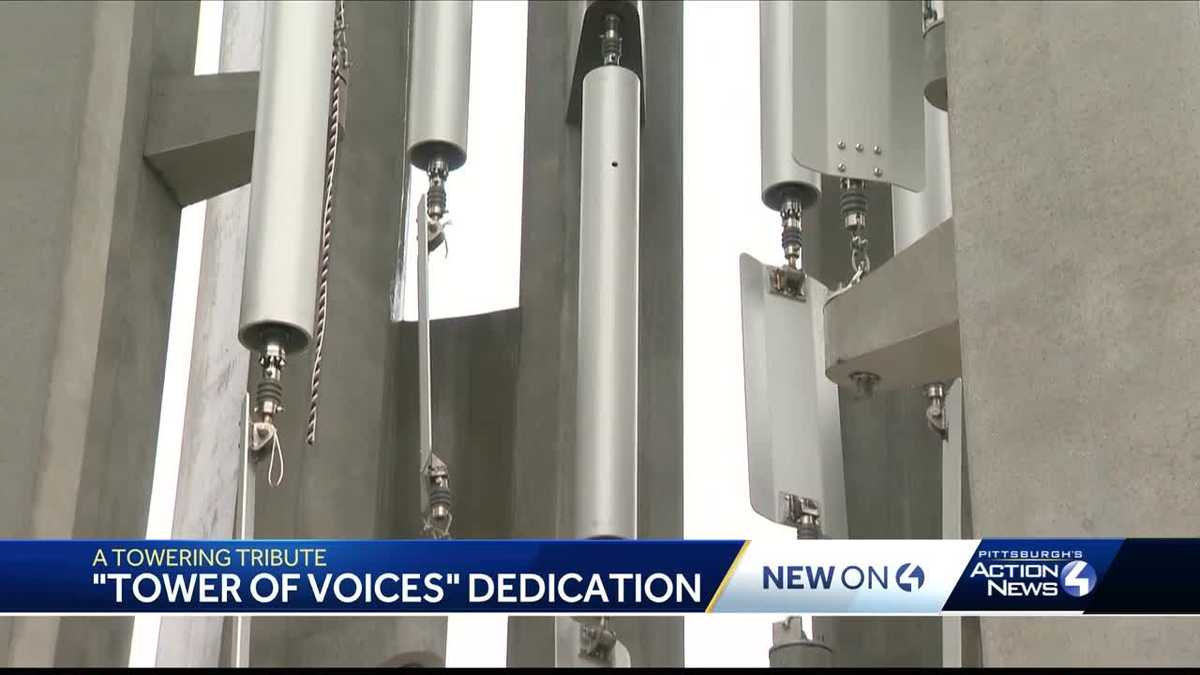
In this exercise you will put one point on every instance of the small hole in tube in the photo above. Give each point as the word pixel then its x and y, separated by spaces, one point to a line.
pixel 614 163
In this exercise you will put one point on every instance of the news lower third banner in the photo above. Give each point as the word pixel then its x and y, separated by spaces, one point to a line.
pixel 825 577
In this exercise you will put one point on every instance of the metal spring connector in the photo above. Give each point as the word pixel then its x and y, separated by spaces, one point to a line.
pixel 854 218
pixel 439 514
pixel 788 280
pixel 435 202
pixel 268 398
pixel 268 404
pixel 790 237
pixel 610 41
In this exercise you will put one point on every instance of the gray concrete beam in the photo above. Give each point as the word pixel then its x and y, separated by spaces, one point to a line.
pixel 87 272
pixel 200 133
pixel 658 642
pixel 893 475
pixel 1073 153
pixel 901 321
pixel 545 398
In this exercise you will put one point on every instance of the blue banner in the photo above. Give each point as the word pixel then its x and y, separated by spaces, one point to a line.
pixel 264 576
pixel 562 577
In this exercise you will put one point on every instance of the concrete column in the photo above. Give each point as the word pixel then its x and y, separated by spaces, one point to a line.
pixel 1074 162
pixel 545 398
pixel 544 434
pixel 893 474
pixel 86 272
pixel 208 466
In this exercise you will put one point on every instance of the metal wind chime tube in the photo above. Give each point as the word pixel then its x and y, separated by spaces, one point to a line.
pixel 439 98
pixel 606 397
pixel 294 157
pixel 284 236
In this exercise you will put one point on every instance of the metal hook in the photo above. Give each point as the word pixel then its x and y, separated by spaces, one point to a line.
pixel 264 433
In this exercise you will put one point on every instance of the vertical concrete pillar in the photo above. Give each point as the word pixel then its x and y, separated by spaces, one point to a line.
pixel 893 491
pixel 85 286
pixel 544 402
pixel 1073 143
pixel 206 492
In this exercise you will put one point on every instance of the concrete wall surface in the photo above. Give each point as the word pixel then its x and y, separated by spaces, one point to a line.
pixel 86 273
pixel 1075 156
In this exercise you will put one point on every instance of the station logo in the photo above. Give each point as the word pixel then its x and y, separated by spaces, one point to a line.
pixel 1044 574
pixel 1038 575
pixel 1078 578
pixel 910 577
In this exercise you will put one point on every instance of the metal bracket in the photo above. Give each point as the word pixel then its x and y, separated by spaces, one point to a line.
pixel 438 514
pixel 789 283
pixel 803 513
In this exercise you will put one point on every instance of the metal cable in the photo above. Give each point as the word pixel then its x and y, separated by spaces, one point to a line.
pixel 340 64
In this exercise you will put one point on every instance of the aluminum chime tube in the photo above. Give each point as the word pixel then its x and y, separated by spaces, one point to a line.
pixel 440 87
pixel 782 177
pixel 283 243
pixel 279 286
pixel 606 398
pixel 787 187
pixel 283 240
